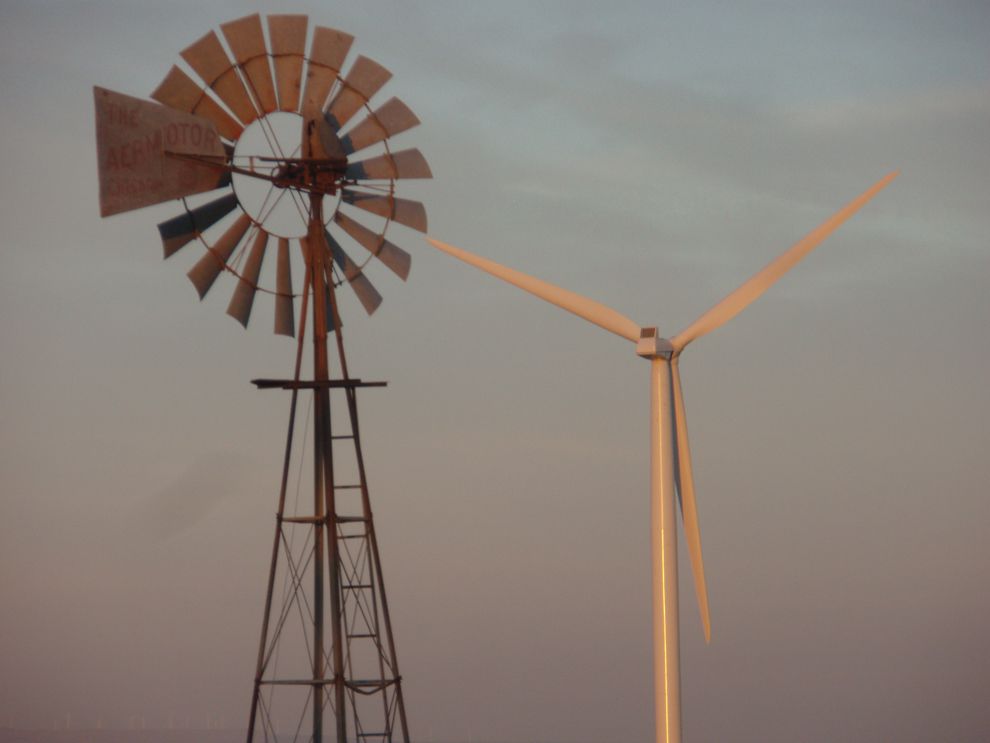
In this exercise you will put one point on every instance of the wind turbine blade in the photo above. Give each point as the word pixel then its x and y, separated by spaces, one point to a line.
pixel 746 294
pixel 389 119
pixel 284 311
pixel 590 310
pixel 206 270
pixel 689 509
pixel 391 165
pixel 247 284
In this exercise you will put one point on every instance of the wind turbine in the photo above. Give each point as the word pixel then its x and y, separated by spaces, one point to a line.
pixel 670 455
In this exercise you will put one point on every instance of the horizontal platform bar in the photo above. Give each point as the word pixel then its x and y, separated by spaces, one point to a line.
pixel 311 384
pixel 355 684
pixel 304 519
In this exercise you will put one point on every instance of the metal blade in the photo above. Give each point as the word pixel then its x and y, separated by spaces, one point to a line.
pixel 284 311
pixel 404 211
pixel 366 293
pixel 247 41
pixel 180 230
pixel 132 137
pixel 288 39
pixel 391 118
pixel 181 92
pixel 689 508
pixel 391 165
pixel 211 63
pixel 326 57
pixel 742 297
pixel 391 255
pixel 206 270
pixel 588 309
pixel 243 298
pixel 364 79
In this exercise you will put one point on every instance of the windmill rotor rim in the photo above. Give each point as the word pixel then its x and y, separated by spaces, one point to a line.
pixel 212 81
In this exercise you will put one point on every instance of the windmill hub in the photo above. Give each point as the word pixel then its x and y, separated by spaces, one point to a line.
pixel 317 175
pixel 652 346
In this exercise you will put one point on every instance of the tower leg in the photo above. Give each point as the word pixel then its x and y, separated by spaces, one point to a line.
pixel 277 541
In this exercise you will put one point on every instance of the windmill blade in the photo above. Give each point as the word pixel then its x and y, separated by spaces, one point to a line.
pixel 180 230
pixel 284 311
pixel 412 214
pixel 326 57
pixel 206 270
pixel 742 297
pixel 391 118
pixel 179 91
pixel 588 309
pixel 288 38
pixel 391 255
pixel 247 41
pixel 211 63
pixel 135 141
pixel 364 79
pixel 366 293
pixel 391 165
pixel 247 284
pixel 689 509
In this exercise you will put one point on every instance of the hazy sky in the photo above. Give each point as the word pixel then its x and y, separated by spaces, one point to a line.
pixel 649 156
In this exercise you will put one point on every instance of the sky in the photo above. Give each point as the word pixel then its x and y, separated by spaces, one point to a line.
pixel 651 156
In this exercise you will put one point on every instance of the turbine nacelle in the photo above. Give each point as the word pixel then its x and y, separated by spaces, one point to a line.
pixel 651 346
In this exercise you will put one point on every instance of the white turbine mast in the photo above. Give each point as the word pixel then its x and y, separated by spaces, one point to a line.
pixel 670 455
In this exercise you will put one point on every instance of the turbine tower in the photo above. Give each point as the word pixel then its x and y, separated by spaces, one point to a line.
pixel 670 455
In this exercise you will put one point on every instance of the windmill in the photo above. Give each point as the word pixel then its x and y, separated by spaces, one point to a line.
pixel 670 455
pixel 280 145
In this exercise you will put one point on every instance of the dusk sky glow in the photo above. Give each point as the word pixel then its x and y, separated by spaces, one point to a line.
pixel 649 156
